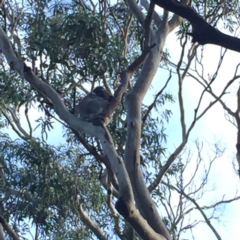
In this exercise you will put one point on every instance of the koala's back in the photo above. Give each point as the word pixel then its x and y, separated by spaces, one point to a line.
pixel 91 106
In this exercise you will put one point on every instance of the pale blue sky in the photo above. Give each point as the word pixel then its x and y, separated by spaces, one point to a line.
pixel 212 127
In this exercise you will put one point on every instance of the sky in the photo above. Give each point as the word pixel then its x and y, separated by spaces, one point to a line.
pixel 213 127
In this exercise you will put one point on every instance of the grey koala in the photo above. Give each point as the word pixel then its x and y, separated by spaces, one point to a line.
pixel 93 104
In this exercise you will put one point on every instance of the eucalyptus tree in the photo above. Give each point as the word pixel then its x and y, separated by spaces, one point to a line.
pixel 101 180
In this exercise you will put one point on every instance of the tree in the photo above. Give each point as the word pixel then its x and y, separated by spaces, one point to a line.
pixel 61 189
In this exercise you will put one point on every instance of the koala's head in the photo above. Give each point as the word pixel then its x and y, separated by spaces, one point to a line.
pixel 102 93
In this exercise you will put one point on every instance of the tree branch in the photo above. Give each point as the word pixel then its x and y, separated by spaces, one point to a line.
pixel 2 235
pixel 92 225
pixel 176 20
pixel 151 106
pixel 136 11
pixel 8 229
pixel 200 209
pixel 156 17
pixel 202 32
pixel 14 128
pixel 134 99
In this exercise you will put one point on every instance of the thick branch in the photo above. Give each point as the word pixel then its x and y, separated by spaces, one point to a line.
pixel 176 20
pixel 132 150
pixel 2 236
pixel 125 204
pixel 92 225
pixel 8 229
pixel 203 32
pixel 136 10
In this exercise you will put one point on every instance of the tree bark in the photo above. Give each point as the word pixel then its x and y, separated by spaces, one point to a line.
pixel 202 32
pixel 2 236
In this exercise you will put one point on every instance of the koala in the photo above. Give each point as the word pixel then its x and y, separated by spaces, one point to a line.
pixel 92 105
pixel 101 92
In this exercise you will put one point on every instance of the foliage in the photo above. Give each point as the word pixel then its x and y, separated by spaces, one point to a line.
pixel 75 46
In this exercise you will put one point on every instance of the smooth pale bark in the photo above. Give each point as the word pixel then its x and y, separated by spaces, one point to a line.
pixel 132 153
pixel 2 236
pixel 134 100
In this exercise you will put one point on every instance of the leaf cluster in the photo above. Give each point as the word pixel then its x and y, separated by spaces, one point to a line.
pixel 42 183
